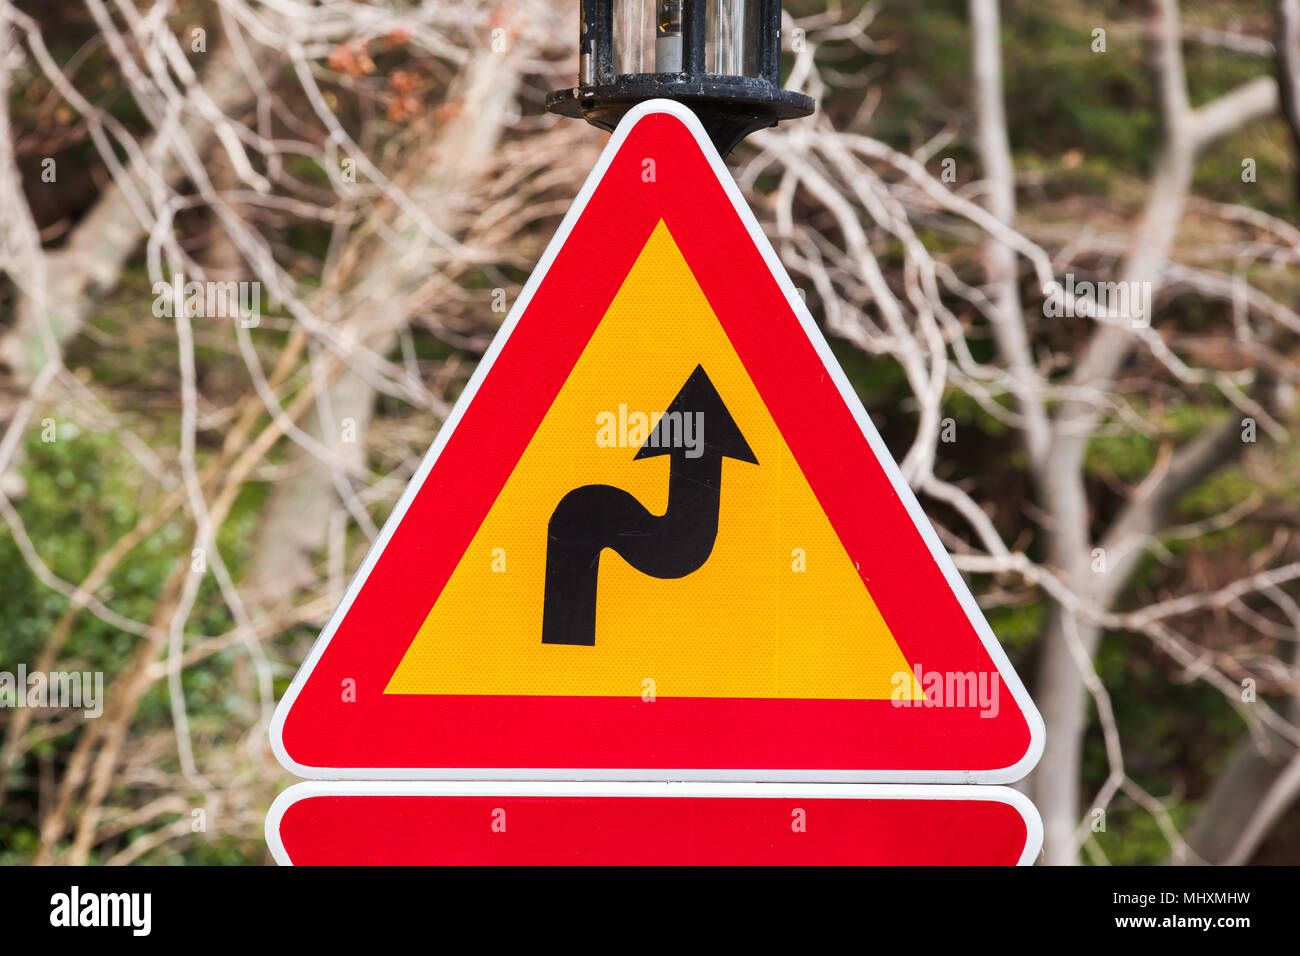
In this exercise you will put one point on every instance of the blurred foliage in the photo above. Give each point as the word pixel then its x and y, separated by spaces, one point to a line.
pixel 1081 124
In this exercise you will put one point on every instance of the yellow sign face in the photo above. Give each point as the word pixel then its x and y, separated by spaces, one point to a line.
pixel 776 610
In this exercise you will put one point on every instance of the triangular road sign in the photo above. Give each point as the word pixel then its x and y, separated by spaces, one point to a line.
pixel 658 538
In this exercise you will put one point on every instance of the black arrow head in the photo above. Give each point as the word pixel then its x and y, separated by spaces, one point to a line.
pixel 721 439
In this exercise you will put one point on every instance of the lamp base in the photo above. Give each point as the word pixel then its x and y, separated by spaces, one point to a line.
pixel 730 107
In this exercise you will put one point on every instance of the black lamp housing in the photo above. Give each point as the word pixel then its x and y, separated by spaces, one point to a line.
pixel 722 58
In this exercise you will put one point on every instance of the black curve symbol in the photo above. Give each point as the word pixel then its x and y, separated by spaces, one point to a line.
pixel 672 545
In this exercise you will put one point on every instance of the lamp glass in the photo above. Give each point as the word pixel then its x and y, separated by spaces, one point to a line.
pixel 648 36
pixel 732 48
pixel 634 22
